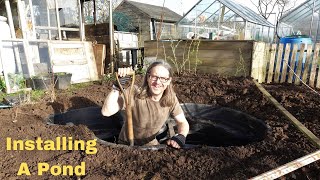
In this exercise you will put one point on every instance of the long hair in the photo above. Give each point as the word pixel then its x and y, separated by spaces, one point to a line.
pixel 168 96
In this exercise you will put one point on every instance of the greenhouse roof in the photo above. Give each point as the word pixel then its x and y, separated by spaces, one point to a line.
pixel 241 10
pixel 301 12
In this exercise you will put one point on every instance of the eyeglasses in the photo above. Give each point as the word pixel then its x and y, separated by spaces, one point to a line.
pixel 155 78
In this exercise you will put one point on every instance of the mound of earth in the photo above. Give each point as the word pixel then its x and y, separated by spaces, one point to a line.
pixel 283 143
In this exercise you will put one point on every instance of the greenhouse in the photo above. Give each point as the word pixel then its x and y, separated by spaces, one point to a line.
pixel 303 20
pixel 224 20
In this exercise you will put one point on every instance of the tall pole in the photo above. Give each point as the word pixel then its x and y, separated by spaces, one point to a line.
pixel 94 13
pixel 311 24
pixel 318 23
pixel 111 37
pixel 58 19
pixel 81 21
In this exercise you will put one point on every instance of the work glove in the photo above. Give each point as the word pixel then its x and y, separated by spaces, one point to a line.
pixel 180 139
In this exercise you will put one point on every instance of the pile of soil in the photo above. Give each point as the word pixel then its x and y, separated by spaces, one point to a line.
pixel 283 143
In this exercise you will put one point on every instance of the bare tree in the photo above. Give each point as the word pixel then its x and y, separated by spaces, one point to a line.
pixel 268 7
pixel 102 10
pixel 277 7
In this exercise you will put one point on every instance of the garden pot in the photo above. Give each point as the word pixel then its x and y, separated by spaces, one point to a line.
pixel 62 80
pixel 39 83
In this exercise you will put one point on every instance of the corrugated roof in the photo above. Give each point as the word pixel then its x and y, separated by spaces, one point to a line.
pixel 156 11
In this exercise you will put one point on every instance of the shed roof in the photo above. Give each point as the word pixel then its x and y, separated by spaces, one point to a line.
pixel 156 11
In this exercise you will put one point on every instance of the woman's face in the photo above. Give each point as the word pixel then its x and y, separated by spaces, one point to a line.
pixel 158 80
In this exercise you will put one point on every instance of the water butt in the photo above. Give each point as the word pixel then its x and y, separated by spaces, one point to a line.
pixel 210 126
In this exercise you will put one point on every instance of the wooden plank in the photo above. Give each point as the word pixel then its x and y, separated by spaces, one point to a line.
pixel 257 61
pixel 292 62
pixel 318 80
pixel 225 71
pixel 100 55
pixel 223 60
pixel 226 45
pixel 230 63
pixel 204 44
pixel 299 67
pixel 278 63
pixel 200 53
pixel 217 54
pixel 271 62
pixel 265 62
pixel 285 63
pixel 307 63
pixel 314 139
pixel 220 62
pixel 185 52
pixel 314 65
pixel 289 167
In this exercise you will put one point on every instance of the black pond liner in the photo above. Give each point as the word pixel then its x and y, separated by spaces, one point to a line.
pixel 210 126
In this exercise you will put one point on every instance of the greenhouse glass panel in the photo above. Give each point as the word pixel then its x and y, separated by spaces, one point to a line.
pixel 40 13
pixel 271 35
pixel 265 34
pixel 258 33
pixel 212 13
pixel 250 31
pixel 303 20
pixel 45 18
pixel 224 20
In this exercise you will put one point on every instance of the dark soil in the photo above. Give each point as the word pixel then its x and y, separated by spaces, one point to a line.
pixel 283 143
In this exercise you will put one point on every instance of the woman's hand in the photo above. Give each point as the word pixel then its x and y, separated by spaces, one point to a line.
pixel 177 141
pixel 123 77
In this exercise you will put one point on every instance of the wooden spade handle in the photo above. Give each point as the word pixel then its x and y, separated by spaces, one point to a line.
pixel 128 102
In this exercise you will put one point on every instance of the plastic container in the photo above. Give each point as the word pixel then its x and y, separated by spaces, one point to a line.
pixel 62 80
pixel 39 83
pixel 300 39
pixel 296 39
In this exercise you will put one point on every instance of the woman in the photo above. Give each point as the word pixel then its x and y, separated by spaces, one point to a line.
pixel 152 104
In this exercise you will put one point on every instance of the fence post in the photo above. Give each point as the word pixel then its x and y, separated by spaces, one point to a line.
pixel 258 61
pixel 314 65
pixel 307 63
pixel 285 63
pixel 278 63
pixel 299 67
pixel 271 62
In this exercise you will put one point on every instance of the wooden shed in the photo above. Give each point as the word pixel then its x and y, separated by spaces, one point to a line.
pixel 146 20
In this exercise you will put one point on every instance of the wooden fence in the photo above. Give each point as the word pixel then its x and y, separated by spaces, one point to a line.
pixel 286 63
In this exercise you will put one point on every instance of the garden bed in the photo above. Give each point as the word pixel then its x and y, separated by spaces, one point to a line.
pixel 283 143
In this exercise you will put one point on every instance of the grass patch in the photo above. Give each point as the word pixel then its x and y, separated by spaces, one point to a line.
pixel 109 77
pixel 77 86
pixel 37 95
